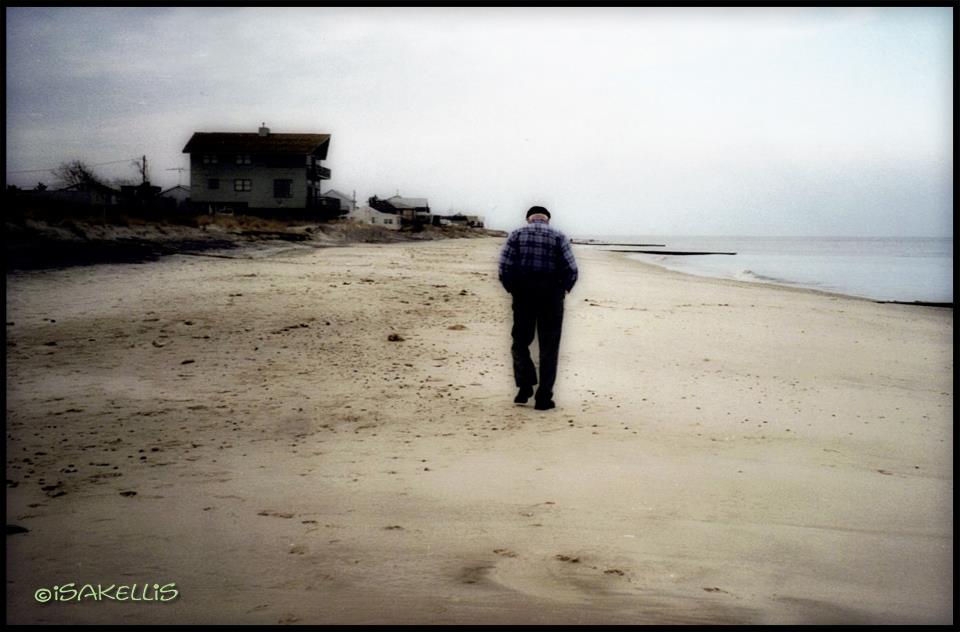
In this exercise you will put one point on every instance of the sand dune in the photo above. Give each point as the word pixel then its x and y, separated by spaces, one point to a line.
pixel 247 429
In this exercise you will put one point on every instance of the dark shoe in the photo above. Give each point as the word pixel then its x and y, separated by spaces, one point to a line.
pixel 525 393
pixel 544 404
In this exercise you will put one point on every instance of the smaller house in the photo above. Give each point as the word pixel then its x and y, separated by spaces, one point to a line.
pixel 347 204
pixel 90 193
pixel 418 204
pixel 368 215
pixel 412 211
pixel 143 196
pixel 180 195
pixel 458 219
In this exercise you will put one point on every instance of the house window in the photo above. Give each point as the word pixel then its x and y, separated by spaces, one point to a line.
pixel 213 183
pixel 243 159
pixel 281 188
pixel 242 185
pixel 209 159
pixel 388 221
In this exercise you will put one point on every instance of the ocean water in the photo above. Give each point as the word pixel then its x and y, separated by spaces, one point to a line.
pixel 884 269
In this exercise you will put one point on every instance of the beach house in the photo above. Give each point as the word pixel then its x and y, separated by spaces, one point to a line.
pixel 347 203
pixel 458 219
pixel 367 215
pixel 260 172
pixel 411 211
pixel 89 193
pixel 180 195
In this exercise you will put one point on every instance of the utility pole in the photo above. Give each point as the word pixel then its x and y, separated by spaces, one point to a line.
pixel 141 166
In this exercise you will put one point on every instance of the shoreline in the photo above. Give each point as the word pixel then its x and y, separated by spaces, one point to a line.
pixel 83 243
pixel 786 285
pixel 721 451
pixel 902 269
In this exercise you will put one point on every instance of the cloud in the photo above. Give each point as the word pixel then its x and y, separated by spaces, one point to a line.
pixel 690 115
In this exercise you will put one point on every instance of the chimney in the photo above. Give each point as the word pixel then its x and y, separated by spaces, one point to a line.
pixel 264 130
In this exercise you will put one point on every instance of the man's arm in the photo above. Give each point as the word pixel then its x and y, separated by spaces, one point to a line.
pixel 508 257
pixel 571 272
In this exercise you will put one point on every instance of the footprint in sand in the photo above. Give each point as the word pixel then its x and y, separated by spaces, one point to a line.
pixel 563 577
pixel 473 574
pixel 275 514
pixel 532 509
pixel 714 589
pixel 505 552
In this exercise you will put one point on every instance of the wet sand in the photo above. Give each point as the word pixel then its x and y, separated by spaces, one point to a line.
pixel 721 452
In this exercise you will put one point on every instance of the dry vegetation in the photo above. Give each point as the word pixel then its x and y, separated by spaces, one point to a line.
pixel 41 238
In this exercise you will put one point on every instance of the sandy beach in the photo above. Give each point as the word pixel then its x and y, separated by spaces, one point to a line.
pixel 245 428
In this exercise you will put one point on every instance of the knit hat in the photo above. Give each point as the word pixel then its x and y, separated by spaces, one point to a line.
pixel 538 209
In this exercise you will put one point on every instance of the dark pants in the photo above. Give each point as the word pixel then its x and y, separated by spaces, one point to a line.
pixel 537 309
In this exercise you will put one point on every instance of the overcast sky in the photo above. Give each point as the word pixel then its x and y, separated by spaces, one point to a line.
pixel 632 121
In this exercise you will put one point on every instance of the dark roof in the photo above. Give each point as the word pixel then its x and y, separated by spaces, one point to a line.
pixel 88 186
pixel 337 194
pixel 173 188
pixel 407 203
pixel 302 144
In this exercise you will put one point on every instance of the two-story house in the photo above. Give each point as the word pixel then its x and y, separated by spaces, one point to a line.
pixel 259 172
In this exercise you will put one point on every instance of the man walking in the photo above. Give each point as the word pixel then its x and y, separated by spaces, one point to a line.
pixel 537 268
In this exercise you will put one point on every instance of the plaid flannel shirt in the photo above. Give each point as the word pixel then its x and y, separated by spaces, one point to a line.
pixel 537 251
